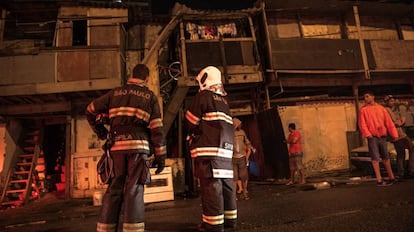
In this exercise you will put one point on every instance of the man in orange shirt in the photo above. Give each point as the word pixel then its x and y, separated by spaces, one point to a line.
pixel 375 123
pixel 294 141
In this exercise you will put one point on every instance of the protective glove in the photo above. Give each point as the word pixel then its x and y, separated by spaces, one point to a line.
pixel 159 163
pixel 102 119
pixel 101 131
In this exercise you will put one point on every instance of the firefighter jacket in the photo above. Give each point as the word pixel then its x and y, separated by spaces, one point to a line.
pixel 211 133
pixel 134 119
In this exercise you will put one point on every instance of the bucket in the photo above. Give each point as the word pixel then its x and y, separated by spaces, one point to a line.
pixel 97 198
pixel 254 168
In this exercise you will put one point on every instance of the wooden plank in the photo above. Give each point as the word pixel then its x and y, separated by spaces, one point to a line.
pixel 245 78
pixel 247 50
pixel 35 108
pixel 64 33
pixel 2 23
pixel 174 105
pixel 240 69
pixel 361 43
pixel 239 111
pixel 105 65
pixel 61 87
pixel 72 66
pixel 321 27
pixel 71 11
pixel 99 35
pixel 373 27
pixel 394 54
pixel 76 86
pixel 107 16
pixel 287 27
pixel 27 69
pixel 306 81
pixel 237 74
pixel 314 54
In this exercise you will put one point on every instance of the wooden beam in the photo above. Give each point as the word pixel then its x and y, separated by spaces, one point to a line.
pixel 165 33
pixel 68 156
pixel 60 87
pixel 2 26
pixel 311 82
pixel 173 107
pixel 361 43
pixel 298 99
pixel 324 81
pixel 270 69
pixel 26 109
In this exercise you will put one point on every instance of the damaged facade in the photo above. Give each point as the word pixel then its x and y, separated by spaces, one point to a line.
pixel 281 62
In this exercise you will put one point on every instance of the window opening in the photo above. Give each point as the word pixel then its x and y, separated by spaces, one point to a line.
pixel 79 33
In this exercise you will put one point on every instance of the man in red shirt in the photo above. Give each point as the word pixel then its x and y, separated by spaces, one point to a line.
pixel 295 154
pixel 375 123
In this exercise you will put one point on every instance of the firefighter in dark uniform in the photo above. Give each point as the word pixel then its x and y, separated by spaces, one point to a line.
pixel 211 136
pixel 134 122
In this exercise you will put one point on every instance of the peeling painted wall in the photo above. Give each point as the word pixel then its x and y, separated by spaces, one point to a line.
pixel 323 128
pixel 86 153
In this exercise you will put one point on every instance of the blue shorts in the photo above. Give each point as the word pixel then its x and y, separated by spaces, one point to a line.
pixel 378 148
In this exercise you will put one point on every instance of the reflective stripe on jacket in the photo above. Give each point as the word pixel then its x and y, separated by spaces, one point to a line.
pixel 134 117
pixel 211 130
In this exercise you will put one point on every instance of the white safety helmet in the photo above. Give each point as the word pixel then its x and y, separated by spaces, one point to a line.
pixel 208 77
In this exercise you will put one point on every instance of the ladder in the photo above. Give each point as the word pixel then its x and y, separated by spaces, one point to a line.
pixel 25 180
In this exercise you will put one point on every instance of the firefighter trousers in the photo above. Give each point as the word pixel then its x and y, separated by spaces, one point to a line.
pixel 218 199
pixel 125 194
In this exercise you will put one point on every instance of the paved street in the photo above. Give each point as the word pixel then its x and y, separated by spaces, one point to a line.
pixel 341 206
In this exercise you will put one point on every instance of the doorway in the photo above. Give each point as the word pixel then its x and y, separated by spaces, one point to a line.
pixel 54 146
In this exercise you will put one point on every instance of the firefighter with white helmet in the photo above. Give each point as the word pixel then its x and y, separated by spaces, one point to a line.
pixel 210 79
pixel 211 146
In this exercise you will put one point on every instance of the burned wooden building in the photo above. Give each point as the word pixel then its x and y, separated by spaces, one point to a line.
pixel 282 61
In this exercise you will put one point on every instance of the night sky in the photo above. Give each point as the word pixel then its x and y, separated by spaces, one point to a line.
pixel 163 6
pixel 218 4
